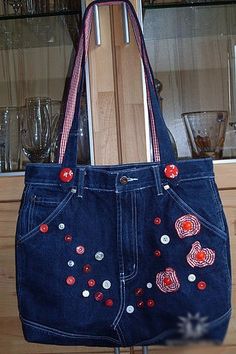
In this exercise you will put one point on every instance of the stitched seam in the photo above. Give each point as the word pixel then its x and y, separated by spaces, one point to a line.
pixel 121 191
pixel 217 203
pixel 62 333
pixel 120 335
pixel 51 217
pixel 188 209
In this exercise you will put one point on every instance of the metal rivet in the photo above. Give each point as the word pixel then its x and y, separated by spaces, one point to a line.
pixel 124 180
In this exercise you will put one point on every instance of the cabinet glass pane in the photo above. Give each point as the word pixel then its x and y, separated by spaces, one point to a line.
pixel 193 53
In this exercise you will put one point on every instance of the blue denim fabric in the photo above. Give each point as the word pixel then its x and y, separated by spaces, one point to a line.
pixel 102 214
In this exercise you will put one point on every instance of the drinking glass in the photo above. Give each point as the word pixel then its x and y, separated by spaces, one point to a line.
pixel 36 129
pixel 206 132
pixel 10 144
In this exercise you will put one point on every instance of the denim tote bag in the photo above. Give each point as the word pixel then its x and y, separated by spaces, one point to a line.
pixel 121 255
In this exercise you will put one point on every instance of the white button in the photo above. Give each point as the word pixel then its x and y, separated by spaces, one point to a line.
pixel 165 239
pixel 61 226
pixel 106 284
pixel 149 285
pixel 85 293
pixel 99 256
pixel 71 263
pixel 192 277
pixel 130 309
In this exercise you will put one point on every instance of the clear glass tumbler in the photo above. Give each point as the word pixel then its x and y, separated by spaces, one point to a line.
pixel 206 132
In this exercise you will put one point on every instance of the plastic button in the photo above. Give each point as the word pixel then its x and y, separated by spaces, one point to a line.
pixel 201 285
pixel 43 228
pixel 85 293
pixel 99 256
pixel 66 175
pixel 157 220
pixel 139 291
pixel 149 285
pixel 171 171
pixel 201 256
pixel 98 296
pixel 80 249
pixel 187 225
pixel 191 277
pixel 167 281
pixel 150 303
pixel 70 280
pixel 68 238
pixel 165 239
pixel 157 253
pixel 140 304
pixel 71 263
pixel 87 268
pixel 124 180
pixel 109 303
pixel 61 226
pixel 130 309
pixel 91 283
pixel 106 284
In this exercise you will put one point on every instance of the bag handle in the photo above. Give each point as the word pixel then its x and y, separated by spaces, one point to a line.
pixel 162 149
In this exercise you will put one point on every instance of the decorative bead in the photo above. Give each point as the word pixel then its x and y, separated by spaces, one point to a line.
pixel 70 280
pixel 150 303
pixel 201 256
pixel 157 220
pixel 167 281
pixel 80 249
pixel 98 296
pixel 68 238
pixel 187 225
pixel 87 268
pixel 91 283
pixel 201 285
pixel 109 303
pixel 139 291
pixel 66 175
pixel 43 228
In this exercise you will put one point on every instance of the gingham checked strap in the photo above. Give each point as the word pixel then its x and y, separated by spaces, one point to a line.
pixel 77 70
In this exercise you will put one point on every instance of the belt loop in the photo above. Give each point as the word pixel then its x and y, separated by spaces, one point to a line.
pixel 81 176
pixel 156 172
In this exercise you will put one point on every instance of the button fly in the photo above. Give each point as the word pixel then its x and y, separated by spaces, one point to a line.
pixel 124 180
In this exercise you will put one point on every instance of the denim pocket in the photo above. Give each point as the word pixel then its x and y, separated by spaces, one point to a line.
pixel 40 206
pixel 201 198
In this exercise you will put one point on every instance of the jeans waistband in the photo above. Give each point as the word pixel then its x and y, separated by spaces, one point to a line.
pixel 119 177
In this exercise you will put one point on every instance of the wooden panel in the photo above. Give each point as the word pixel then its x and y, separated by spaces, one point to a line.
pixel 129 93
pixel 11 188
pixel 225 175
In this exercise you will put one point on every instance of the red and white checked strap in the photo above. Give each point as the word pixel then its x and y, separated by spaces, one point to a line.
pixel 207 256
pixel 76 76
pixel 167 281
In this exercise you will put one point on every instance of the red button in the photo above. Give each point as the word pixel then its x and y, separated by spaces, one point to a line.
pixel 80 249
pixel 87 268
pixel 70 280
pixel 157 253
pixel 187 225
pixel 200 256
pixel 98 296
pixel 68 238
pixel 139 292
pixel 109 303
pixel 43 228
pixel 201 285
pixel 167 281
pixel 66 175
pixel 171 171
pixel 150 303
pixel 140 304
pixel 91 283
pixel 157 220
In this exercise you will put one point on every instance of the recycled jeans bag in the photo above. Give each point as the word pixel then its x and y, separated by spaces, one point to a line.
pixel 123 255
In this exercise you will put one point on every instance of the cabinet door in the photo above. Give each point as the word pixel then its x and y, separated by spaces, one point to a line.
pixel 118 125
